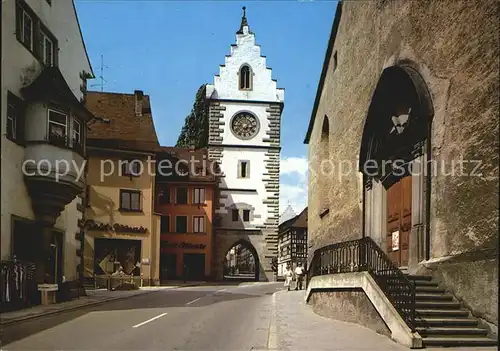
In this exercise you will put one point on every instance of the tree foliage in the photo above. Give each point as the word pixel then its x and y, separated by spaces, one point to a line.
pixel 195 129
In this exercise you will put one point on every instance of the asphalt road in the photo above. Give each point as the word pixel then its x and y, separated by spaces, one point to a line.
pixel 216 317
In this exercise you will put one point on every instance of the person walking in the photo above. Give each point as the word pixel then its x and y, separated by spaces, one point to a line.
pixel 299 272
pixel 288 277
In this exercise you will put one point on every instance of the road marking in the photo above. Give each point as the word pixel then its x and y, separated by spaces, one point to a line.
pixel 220 290
pixel 149 320
pixel 190 302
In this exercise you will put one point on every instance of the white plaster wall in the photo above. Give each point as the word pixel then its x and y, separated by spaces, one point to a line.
pixel 226 85
pixel 229 166
pixel 19 68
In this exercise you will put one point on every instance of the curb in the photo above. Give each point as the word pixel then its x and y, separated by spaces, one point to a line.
pixel 272 338
pixel 91 303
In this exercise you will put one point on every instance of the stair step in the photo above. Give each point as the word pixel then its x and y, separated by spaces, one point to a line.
pixel 432 297
pixel 420 277
pixel 425 283
pixel 455 331
pixel 442 313
pixel 458 341
pixel 448 322
pixel 429 289
pixel 445 305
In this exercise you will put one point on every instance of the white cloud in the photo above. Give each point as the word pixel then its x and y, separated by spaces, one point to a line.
pixel 293 187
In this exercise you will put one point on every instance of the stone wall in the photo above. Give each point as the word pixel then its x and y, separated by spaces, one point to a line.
pixel 348 305
pixel 454 47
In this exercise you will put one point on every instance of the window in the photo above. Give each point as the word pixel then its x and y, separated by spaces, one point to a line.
pixel 246 215
pixel 243 169
pixel 130 200
pixel 25 27
pixel 31 32
pixel 198 224
pixel 236 215
pixel 245 78
pixel 164 195
pixel 15 120
pixel 181 224
pixel 77 132
pixel 165 224
pixel 199 196
pixel 46 49
pixel 181 195
pixel 58 127
pixel 335 61
pixel 131 168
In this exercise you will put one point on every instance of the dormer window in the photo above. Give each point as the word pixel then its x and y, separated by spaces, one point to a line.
pixel 58 127
pixel 245 78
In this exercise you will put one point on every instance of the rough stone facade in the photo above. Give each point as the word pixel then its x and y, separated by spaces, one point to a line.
pixel 454 47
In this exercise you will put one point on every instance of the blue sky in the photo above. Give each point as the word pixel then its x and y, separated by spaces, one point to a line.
pixel 169 48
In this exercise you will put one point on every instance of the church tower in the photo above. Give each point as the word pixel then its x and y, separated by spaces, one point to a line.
pixel 245 109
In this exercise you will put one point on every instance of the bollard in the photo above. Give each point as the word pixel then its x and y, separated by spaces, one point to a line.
pixel 142 279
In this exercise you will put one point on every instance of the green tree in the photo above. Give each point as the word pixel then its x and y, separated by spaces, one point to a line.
pixel 195 129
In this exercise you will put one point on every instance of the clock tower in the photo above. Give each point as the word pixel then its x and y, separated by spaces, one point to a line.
pixel 245 109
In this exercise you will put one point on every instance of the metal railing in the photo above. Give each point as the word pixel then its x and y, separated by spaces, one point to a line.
pixel 364 255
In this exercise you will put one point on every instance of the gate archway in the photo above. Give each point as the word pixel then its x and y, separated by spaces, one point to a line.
pixel 241 262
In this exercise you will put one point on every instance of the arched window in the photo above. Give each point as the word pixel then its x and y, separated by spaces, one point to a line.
pixel 324 165
pixel 245 78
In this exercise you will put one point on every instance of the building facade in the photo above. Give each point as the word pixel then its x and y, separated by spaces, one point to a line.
pixel 245 109
pixel 44 71
pixel 417 120
pixel 292 243
pixel 121 229
pixel 185 192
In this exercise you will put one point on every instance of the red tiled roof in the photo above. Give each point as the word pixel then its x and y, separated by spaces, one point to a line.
pixel 123 129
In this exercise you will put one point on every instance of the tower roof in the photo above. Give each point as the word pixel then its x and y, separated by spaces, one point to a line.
pixel 244 22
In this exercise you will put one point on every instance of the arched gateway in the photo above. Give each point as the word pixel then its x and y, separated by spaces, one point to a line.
pixel 241 262
pixel 393 160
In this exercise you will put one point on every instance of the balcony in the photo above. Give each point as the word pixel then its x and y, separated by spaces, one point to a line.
pixel 54 165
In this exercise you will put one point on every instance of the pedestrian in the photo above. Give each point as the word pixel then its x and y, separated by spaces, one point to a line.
pixel 299 272
pixel 288 277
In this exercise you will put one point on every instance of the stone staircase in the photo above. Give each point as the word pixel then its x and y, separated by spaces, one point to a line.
pixel 442 321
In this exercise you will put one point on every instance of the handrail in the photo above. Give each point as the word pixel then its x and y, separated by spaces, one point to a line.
pixel 364 255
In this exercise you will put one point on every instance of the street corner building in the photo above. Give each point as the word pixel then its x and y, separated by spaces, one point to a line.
pixel 245 109
pixel 45 68
pixel 186 188
pixel 408 96
pixel 121 238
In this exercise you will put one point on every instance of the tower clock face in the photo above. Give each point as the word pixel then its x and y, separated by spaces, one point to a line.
pixel 245 125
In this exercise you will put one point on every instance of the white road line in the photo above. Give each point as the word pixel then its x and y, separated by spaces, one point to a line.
pixel 149 320
pixel 190 302
pixel 220 290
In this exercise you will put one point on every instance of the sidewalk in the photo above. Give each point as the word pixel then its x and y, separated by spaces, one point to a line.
pixel 94 297
pixel 294 326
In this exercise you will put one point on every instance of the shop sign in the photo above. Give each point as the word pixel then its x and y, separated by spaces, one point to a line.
pixel 182 245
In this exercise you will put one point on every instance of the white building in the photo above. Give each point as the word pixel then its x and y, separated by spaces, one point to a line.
pixel 245 114
pixel 44 72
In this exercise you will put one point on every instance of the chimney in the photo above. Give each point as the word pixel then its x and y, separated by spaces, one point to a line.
pixel 139 94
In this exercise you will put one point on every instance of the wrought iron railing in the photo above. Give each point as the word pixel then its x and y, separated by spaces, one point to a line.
pixel 364 255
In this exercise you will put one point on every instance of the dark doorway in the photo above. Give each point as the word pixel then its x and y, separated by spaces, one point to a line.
pixel 168 266
pixel 241 263
pixel 194 266
pixel 399 221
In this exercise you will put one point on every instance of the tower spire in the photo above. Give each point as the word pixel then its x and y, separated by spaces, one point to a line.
pixel 244 22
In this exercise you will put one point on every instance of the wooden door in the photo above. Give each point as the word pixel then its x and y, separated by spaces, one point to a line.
pixel 399 221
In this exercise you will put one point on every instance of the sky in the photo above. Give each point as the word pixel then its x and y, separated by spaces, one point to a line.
pixel 169 49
